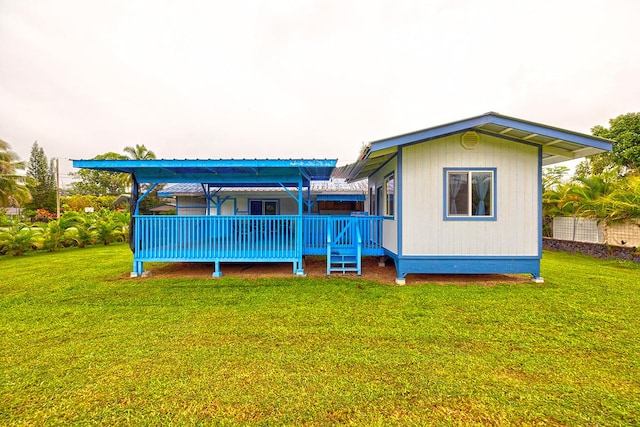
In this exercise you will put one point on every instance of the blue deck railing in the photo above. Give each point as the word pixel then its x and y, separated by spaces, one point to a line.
pixel 248 238
pixel 208 238
pixel 342 229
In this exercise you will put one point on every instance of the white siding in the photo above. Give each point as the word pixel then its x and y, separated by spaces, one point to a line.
pixel 389 226
pixel 189 205
pixel 514 232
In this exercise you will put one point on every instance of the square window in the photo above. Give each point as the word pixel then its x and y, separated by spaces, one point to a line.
pixel 470 193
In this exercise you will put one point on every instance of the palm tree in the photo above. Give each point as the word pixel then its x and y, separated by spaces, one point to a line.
pixel 139 152
pixel 623 203
pixel 12 184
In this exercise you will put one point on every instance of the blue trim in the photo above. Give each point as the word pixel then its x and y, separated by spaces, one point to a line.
pixel 551 132
pixel 390 254
pixel 430 133
pixel 398 199
pixel 491 118
pixel 467 265
pixel 141 198
pixel 445 195
pixel 540 202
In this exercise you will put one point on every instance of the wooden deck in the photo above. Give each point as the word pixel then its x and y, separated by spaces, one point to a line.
pixel 281 238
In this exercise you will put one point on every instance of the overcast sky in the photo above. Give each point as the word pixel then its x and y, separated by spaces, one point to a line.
pixel 302 79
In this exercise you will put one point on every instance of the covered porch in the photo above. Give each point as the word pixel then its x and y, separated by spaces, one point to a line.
pixel 218 239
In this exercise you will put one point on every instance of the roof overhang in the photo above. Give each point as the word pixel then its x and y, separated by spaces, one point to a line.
pixel 557 144
pixel 219 172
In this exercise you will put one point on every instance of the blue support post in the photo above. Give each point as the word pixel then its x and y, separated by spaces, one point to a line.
pixel 217 272
pixel 299 269
pixel 138 266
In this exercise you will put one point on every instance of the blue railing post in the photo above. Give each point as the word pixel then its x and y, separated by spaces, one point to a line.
pixel 329 233
pixel 358 251
pixel 137 264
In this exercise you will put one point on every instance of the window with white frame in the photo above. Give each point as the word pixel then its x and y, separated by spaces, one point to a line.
pixel 470 193
pixel 390 193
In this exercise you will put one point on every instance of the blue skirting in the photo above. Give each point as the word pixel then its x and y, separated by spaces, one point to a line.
pixel 466 265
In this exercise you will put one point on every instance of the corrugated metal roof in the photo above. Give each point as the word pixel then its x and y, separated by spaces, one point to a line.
pixel 334 185
pixel 227 172
pixel 557 144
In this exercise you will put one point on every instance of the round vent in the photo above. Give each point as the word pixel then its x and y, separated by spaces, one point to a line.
pixel 470 140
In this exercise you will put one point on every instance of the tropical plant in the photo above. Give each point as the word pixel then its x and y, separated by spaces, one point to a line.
pixel 589 191
pixel 623 203
pixel 5 221
pixel 19 238
pixel 53 235
pixel 12 184
pixel 71 227
pixel 109 227
pixel 139 152
pixel 79 229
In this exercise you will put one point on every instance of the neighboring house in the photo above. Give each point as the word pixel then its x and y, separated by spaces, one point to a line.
pixel 332 197
pixel 462 198
pixel 12 212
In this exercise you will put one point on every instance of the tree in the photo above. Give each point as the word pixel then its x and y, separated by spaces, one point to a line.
pixel 42 184
pixel 13 190
pixel 101 183
pixel 624 130
pixel 139 152
pixel 595 165
pixel 553 176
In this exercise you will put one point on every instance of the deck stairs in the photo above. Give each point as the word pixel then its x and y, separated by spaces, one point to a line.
pixel 344 249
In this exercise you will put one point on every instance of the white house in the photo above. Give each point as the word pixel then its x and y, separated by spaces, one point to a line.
pixel 466 197
pixel 463 198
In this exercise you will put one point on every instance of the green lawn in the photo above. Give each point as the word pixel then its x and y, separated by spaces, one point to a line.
pixel 80 345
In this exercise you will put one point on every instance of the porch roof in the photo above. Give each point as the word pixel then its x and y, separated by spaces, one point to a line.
pixel 219 172
pixel 557 144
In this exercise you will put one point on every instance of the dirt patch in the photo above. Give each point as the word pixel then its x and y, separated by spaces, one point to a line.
pixel 317 267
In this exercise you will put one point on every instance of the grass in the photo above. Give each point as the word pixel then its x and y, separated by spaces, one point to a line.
pixel 79 345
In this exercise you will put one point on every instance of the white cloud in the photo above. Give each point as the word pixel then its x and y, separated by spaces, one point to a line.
pixel 302 78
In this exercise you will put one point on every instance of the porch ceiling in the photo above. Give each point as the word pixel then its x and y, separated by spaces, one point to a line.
pixel 557 144
pixel 219 172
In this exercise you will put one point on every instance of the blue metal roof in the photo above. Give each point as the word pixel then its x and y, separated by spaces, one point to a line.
pixel 557 144
pixel 220 172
